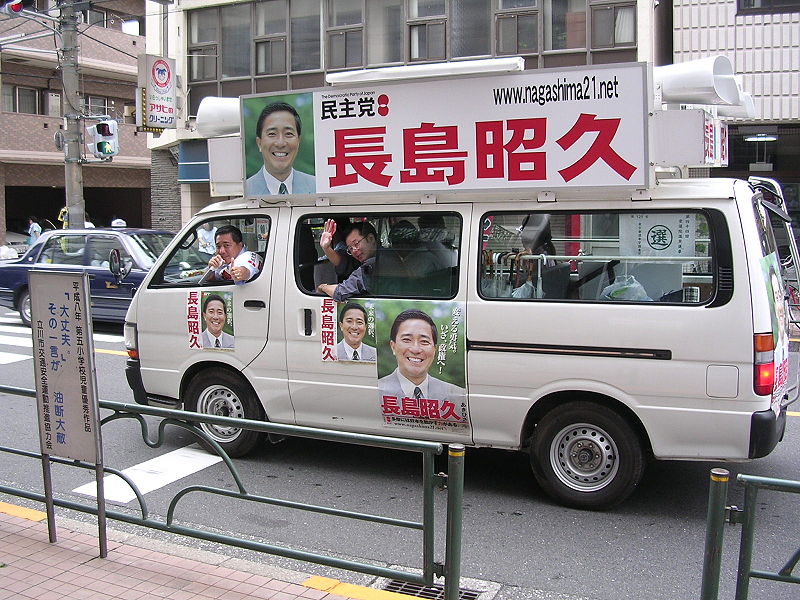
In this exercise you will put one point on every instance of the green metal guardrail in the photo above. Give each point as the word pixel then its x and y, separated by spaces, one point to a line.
pixel 453 482
pixel 719 513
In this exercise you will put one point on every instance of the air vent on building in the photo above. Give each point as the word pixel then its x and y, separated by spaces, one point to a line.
pixel 430 592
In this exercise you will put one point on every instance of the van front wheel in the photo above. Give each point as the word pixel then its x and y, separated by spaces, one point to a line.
pixel 221 393
pixel 585 455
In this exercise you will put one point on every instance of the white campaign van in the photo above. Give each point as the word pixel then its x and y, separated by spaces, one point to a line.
pixel 594 325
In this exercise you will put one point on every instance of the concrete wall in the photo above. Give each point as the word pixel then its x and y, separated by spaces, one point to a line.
pixel 765 49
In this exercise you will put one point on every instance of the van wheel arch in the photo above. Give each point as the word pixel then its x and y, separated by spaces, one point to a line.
pixel 547 403
pixel 221 389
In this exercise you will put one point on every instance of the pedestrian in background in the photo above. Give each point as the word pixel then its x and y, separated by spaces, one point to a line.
pixel 34 230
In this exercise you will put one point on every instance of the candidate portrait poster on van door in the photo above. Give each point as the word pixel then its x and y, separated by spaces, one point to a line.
pixel 416 350
pixel 421 364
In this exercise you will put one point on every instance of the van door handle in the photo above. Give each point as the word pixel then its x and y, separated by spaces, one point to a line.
pixel 307 320
pixel 254 304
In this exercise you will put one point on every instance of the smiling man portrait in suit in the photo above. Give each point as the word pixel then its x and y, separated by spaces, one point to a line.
pixel 413 341
pixel 353 325
pixel 278 133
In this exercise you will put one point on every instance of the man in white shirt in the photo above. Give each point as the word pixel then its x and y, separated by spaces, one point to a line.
pixel 278 139
pixel 233 261
pixel 353 324
pixel 206 238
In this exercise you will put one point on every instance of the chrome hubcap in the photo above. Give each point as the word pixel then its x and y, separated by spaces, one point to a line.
pixel 220 401
pixel 584 457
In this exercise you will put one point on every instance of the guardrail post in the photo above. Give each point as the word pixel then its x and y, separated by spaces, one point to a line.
pixel 746 545
pixel 455 504
pixel 715 522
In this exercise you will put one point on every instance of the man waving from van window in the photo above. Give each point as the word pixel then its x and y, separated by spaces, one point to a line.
pixel 232 262
pixel 362 244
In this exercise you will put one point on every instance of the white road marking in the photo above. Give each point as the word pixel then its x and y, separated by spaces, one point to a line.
pixel 153 474
pixel 8 340
pixel 9 357
pixel 107 338
pixel 18 329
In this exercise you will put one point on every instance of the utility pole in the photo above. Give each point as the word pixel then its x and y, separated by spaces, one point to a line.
pixel 66 30
pixel 72 109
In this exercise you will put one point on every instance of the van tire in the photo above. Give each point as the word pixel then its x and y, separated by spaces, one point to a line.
pixel 24 306
pixel 586 455
pixel 221 393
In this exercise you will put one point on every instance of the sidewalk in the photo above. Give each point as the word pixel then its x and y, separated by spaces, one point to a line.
pixel 70 569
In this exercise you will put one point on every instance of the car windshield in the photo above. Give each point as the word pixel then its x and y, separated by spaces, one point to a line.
pixel 147 246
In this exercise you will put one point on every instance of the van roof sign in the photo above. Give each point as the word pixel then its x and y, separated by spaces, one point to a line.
pixel 544 129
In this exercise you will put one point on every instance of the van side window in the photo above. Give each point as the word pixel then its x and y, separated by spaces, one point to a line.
pixel 413 255
pixel 188 261
pixel 598 257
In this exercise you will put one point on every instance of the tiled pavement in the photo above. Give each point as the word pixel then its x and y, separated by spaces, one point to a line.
pixel 70 569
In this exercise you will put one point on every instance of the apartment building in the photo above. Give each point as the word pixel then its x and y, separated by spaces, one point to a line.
pixel 31 167
pixel 762 40
pixel 234 48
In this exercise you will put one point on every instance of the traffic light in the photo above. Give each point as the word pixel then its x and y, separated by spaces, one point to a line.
pixel 12 8
pixel 103 139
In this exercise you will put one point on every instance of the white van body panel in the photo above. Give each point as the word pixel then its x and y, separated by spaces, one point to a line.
pixel 682 375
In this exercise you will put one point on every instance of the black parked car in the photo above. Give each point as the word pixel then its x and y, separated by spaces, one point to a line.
pixel 86 250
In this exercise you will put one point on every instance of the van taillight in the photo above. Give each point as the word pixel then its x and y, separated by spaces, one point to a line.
pixel 764 364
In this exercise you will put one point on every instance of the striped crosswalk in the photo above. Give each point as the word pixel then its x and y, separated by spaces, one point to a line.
pixel 16 343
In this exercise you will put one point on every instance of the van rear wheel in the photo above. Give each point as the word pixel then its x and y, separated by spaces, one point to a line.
pixel 221 393
pixel 587 456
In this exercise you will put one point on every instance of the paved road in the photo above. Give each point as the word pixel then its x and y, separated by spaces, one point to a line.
pixel 652 547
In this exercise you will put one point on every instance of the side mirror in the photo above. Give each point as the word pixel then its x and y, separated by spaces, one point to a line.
pixel 115 265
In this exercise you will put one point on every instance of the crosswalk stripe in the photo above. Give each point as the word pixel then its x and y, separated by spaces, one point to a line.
pixel 18 329
pixel 153 474
pixel 107 338
pixel 10 357
pixel 10 340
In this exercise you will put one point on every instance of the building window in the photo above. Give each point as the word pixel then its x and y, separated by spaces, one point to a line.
pixel 470 30
pixel 517 33
pixel 384 31
pixel 20 99
pixel 203 38
pixel 765 7
pixel 270 37
pixel 565 24
pixel 96 17
pixel 305 17
pixel 236 40
pixel 98 105
pixel 345 34
pixel 427 30
pixel 613 25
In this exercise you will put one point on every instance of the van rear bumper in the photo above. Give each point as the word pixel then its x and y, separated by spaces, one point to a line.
pixel 766 430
